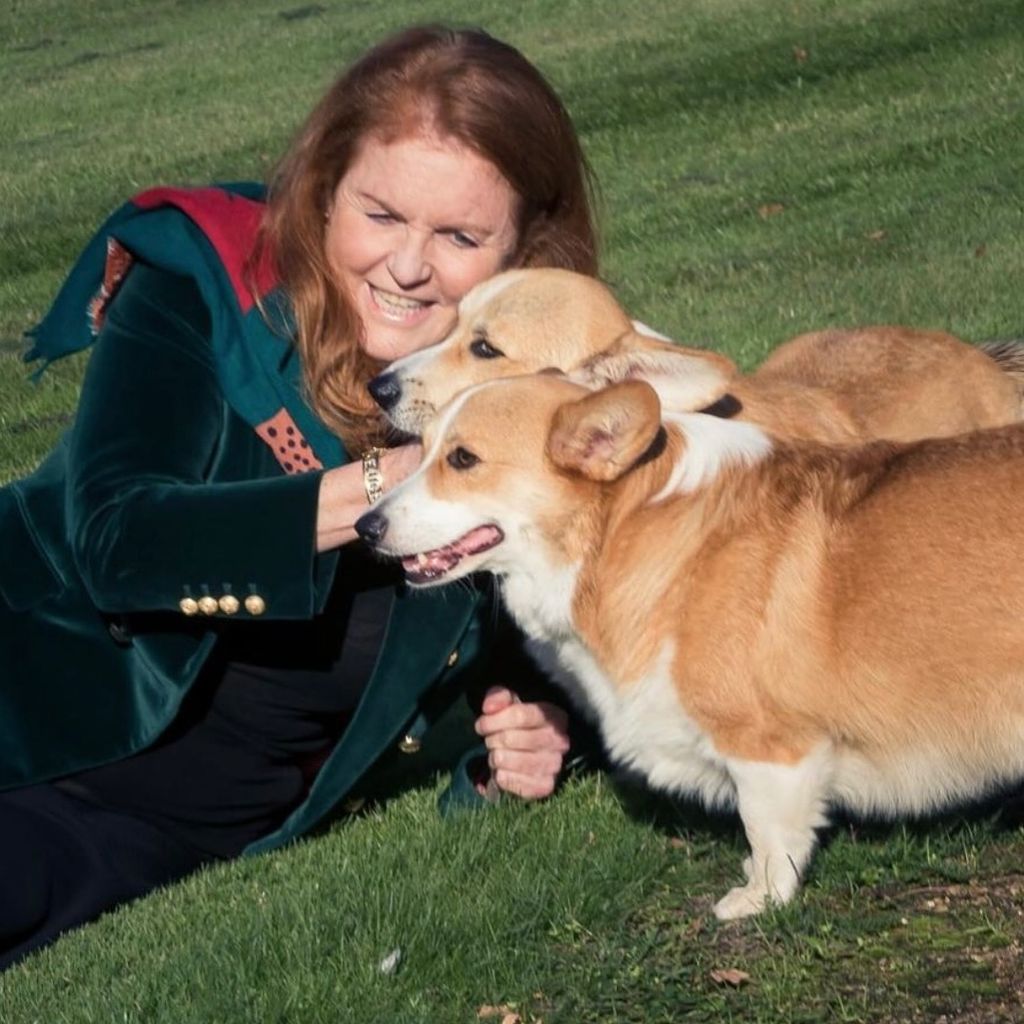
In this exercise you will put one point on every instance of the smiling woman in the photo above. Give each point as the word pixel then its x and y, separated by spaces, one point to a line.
pixel 198 660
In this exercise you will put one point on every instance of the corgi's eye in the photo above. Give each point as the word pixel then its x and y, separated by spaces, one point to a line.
pixel 483 349
pixel 462 458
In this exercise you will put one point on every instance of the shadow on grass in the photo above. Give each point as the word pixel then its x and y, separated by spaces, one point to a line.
pixel 766 67
pixel 999 813
pixel 673 816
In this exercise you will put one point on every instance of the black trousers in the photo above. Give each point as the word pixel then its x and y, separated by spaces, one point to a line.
pixel 64 861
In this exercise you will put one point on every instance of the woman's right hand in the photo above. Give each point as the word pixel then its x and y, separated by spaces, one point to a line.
pixel 343 495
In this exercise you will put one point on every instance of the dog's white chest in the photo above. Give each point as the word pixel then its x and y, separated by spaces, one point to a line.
pixel 643 725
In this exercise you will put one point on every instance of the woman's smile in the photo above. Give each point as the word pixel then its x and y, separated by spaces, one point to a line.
pixel 398 308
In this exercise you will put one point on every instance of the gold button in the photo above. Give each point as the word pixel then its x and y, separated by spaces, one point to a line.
pixel 453 659
pixel 208 605
pixel 409 744
pixel 188 606
pixel 255 605
pixel 229 604
pixel 353 804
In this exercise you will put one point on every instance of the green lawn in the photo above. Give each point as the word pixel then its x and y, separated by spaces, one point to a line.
pixel 767 167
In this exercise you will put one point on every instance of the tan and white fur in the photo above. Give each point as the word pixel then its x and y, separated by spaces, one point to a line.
pixel 772 626
pixel 836 385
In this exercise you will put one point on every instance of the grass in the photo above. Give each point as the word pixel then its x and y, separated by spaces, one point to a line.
pixel 766 168
pixel 593 907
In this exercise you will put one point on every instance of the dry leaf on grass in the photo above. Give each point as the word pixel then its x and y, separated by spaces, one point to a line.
pixel 730 976
pixel 769 210
pixel 508 1015
pixel 800 55
pixel 876 236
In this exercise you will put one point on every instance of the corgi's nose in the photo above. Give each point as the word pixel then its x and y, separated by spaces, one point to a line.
pixel 385 389
pixel 372 526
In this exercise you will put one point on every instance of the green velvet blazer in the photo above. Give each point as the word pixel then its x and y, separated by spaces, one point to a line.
pixel 162 519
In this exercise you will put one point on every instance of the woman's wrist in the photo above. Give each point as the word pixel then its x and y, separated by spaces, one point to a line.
pixel 341 502
pixel 345 492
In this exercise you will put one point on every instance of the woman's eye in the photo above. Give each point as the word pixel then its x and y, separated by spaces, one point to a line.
pixel 462 458
pixel 464 241
pixel 381 217
pixel 483 349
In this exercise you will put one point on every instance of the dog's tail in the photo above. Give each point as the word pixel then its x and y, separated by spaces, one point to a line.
pixel 1009 354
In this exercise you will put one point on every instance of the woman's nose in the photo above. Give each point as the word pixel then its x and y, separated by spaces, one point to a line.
pixel 408 264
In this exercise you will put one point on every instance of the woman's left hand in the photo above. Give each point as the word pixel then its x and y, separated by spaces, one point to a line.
pixel 526 742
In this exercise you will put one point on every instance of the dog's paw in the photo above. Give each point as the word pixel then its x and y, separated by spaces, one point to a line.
pixel 743 901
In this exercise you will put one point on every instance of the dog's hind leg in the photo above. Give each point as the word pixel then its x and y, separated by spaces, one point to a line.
pixel 781 806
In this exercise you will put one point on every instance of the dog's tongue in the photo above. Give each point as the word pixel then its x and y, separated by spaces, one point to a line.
pixel 430 565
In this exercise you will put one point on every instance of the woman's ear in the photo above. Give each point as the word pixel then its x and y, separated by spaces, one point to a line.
pixel 602 435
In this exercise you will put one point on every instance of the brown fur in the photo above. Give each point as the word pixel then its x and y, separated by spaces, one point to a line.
pixel 873 597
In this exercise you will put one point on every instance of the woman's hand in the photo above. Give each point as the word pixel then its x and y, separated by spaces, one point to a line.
pixel 398 463
pixel 526 743
pixel 343 495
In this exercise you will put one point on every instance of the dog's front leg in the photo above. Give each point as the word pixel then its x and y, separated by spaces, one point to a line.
pixel 781 805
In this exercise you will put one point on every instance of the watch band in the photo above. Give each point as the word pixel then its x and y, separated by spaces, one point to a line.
pixel 373 478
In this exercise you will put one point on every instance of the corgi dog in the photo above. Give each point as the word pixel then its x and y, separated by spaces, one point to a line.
pixel 774 626
pixel 836 385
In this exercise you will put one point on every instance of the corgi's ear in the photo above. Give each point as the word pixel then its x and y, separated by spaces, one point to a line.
pixel 605 433
pixel 685 378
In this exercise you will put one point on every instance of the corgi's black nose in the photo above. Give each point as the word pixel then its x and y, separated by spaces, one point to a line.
pixel 372 526
pixel 386 389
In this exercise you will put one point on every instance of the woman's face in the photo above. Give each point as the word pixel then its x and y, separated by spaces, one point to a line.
pixel 413 225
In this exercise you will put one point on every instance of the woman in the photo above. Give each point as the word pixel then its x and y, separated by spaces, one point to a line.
pixel 197 661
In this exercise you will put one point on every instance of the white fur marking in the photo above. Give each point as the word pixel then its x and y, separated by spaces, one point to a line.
pixel 644 726
pixel 417 521
pixel 711 445
pixel 641 328
pixel 485 292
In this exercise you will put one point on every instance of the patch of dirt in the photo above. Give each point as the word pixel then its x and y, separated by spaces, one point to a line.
pixel 992 942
